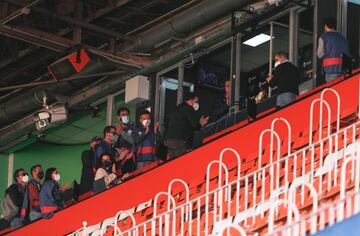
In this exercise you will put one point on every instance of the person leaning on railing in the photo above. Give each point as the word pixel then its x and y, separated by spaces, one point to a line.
pixel 51 194
pixel 106 169
pixel 183 123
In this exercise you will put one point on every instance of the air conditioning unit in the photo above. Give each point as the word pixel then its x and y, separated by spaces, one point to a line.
pixel 137 89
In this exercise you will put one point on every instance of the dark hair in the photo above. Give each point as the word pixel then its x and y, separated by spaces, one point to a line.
pixel 33 168
pixel 189 96
pixel 48 173
pixel 283 54
pixel 330 22
pixel 122 109
pixel 108 128
pixel 99 161
pixel 16 173
pixel 144 112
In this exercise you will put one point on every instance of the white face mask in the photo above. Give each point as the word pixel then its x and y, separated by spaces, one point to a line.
pixel 196 106
pixel 276 64
pixel 57 177
pixel 146 122
pixel 125 120
pixel 25 178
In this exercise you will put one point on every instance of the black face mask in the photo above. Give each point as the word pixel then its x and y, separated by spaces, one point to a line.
pixel 41 174
pixel 106 164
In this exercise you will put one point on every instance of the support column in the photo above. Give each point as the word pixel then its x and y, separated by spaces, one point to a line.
pixel 315 43
pixel 237 73
pixel 293 36
pixel 157 98
pixel 271 42
pixel 109 109
pixel 10 169
pixel 180 90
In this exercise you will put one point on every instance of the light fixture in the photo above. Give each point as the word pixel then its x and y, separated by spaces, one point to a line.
pixel 172 84
pixel 257 40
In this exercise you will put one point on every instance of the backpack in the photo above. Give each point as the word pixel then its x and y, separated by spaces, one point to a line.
pixel 8 208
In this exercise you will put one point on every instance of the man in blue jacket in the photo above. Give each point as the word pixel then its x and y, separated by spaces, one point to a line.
pixel 332 47
pixel 145 140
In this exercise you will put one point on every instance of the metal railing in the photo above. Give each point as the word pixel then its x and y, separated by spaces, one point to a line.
pixel 254 193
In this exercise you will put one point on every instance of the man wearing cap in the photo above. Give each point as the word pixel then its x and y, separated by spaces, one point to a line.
pixel 183 122
pixel 88 166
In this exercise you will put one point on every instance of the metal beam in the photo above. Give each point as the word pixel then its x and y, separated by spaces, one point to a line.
pixel 237 72
pixel 180 91
pixel 293 36
pixel 73 21
pixel 79 6
pixel 24 10
pixel 59 44
pixel 35 84
pixel 116 4
pixel 10 169
pixel 109 109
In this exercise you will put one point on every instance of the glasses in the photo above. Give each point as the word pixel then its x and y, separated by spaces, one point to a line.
pixel 23 174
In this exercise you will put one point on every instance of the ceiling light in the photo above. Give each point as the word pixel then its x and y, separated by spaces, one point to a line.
pixel 257 40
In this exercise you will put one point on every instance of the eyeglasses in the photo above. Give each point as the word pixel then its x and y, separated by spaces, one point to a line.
pixel 23 174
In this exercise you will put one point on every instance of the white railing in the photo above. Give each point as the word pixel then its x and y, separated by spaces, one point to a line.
pixel 303 168
pixel 250 190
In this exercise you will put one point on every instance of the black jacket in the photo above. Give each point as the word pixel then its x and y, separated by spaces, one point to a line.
pixel 182 123
pixel 286 77
pixel 220 109
pixel 87 175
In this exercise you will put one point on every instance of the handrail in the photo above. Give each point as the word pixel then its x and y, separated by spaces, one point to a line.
pixel 116 219
pixel 321 101
pixel 193 201
pixel 220 163
pixel 314 194
pixel 294 209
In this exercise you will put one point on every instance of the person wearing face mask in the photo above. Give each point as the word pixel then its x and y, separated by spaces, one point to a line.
pixel 107 145
pixel 145 140
pixel 183 122
pixel 51 196
pixel 286 78
pixel 106 169
pixel 31 203
pixel 125 162
pixel 13 200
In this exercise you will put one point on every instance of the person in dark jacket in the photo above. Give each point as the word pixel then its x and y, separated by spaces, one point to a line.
pixel 286 77
pixel 88 167
pixel 222 105
pixel 183 122
pixel 107 145
pixel 51 197
pixel 31 203
pixel 145 140
pixel 16 193
pixel 331 49
pixel 125 143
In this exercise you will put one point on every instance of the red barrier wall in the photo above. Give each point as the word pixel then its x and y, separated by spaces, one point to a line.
pixel 190 166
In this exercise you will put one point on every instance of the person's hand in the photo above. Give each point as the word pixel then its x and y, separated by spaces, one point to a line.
pixel 147 128
pixel 204 120
pixel 129 155
pixel 156 127
pixel 64 187
pixel 125 176
pixel 122 152
pixel 113 168
pixel 119 129
pixel 269 77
